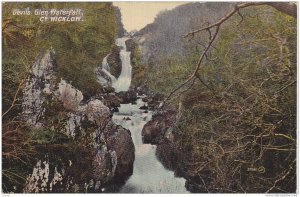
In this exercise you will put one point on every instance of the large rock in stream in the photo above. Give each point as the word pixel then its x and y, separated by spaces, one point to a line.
pixel 154 101
pixel 115 62
pixel 127 97
pixel 159 128
pixel 96 154
pixel 130 45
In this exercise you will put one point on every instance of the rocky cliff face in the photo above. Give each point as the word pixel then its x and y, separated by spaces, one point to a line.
pixel 41 81
pixel 109 148
pixel 159 129
pixel 114 62
pixel 163 37
pixel 121 30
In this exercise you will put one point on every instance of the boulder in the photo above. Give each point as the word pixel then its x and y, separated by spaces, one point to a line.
pixel 130 45
pixel 114 62
pixel 168 155
pixel 127 97
pixel 39 84
pixel 104 165
pixel 69 96
pixel 108 89
pixel 39 179
pixel 109 162
pixel 121 142
pixel 155 131
pixel 104 78
pixel 144 107
pixel 98 113
pixel 74 123
pixel 112 100
pixel 153 101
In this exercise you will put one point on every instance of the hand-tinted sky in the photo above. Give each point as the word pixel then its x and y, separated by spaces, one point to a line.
pixel 136 15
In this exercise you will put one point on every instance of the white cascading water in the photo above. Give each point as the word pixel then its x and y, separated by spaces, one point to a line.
pixel 105 64
pixel 124 80
pixel 106 69
pixel 149 175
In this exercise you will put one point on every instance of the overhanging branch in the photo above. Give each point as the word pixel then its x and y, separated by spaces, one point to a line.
pixel 287 8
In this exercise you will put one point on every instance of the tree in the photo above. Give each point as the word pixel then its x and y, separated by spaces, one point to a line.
pixel 238 110
pixel 287 8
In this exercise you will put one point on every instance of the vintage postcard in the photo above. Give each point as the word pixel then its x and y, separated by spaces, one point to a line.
pixel 149 97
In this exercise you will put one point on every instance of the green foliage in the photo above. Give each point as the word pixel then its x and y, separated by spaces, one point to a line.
pixel 23 146
pixel 139 69
pixel 169 72
pixel 248 121
pixel 14 70
pixel 79 47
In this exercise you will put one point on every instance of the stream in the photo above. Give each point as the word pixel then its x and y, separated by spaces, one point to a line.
pixel 149 175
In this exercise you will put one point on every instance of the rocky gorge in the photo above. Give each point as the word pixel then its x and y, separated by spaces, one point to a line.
pixel 108 148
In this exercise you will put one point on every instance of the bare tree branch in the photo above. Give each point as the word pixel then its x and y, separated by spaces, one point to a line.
pixel 288 8
pixel 282 178
pixel 237 7
pixel 19 89
pixel 197 67
pixel 13 103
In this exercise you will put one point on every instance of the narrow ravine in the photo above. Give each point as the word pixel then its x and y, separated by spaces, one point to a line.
pixel 149 175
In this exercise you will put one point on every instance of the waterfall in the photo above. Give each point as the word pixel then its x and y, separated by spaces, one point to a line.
pixel 113 79
pixel 149 175
pixel 124 80
pixel 106 69
pixel 105 64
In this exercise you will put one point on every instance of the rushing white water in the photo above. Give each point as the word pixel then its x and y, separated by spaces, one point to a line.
pixel 105 64
pixel 124 80
pixel 149 175
pixel 106 69
pixel 112 78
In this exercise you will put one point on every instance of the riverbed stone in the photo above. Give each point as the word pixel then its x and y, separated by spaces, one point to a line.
pixel 153 101
pixel 127 97
pixel 121 142
pixel 111 100
pixel 155 130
